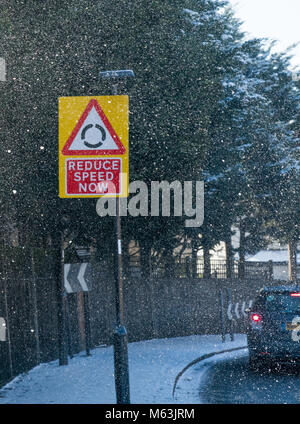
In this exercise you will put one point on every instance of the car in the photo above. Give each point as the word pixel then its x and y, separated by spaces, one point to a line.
pixel 273 327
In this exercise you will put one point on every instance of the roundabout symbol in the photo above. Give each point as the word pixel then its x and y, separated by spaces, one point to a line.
pixel 90 145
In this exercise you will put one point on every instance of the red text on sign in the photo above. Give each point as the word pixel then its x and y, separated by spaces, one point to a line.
pixel 93 176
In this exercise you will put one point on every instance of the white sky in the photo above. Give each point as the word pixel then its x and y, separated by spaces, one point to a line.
pixel 274 19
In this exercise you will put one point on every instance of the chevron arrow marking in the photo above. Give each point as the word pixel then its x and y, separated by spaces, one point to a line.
pixel 2 330
pixel 243 309
pixel 236 310
pixel 66 282
pixel 229 314
pixel 81 277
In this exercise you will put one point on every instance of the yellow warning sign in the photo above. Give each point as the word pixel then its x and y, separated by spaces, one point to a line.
pixel 93 146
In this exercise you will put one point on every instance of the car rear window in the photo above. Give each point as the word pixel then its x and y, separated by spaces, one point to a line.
pixel 282 302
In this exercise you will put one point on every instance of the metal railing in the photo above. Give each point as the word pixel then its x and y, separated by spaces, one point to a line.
pixel 185 268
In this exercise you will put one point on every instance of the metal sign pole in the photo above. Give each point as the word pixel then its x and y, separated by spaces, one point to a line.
pixel 120 334
pixel 229 300
pixel 8 328
pixel 63 356
pixel 68 328
pixel 222 318
pixel 87 323
pixel 35 310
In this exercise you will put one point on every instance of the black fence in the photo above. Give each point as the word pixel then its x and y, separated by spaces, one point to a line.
pixel 29 312
pixel 29 308
pixel 218 268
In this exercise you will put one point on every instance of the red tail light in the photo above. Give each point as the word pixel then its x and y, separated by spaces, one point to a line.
pixel 295 294
pixel 256 317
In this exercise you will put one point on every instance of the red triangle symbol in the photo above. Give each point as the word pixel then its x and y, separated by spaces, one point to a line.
pixel 93 135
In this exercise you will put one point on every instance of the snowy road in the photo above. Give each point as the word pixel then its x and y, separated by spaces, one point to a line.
pixel 231 382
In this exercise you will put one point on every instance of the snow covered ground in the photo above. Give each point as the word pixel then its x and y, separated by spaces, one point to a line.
pixel 271 255
pixel 153 367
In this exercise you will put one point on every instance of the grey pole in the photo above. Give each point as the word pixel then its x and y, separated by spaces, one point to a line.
pixel 120 333
pixel 229 300
pixel 62 348
pixel 35 310
pixel 8 329
pixel 87 323
pixel 222 318
pixel 68 328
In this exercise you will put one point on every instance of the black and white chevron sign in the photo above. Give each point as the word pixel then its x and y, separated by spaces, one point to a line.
pixel 77 277
pixel 2 330
pixel 238 310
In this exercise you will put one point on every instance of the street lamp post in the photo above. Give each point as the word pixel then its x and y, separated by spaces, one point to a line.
pixel 120 334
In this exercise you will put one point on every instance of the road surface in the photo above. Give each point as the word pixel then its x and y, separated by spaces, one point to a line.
pixel 231 382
